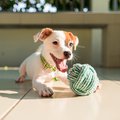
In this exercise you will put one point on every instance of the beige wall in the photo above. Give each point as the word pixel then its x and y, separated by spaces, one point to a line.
pixel 17 44
pixel 96 46
pixel 100 5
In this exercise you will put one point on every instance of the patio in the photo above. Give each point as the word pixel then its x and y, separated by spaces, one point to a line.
pixel 20 102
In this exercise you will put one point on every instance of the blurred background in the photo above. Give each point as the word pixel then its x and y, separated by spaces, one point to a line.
pixel 96 23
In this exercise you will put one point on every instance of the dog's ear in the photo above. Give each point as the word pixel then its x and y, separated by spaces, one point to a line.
pixel 41 36
pixel 75 40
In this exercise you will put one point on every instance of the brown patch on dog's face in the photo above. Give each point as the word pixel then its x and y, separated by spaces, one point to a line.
pixel 45 33
pixel 41 36
pixel 71 40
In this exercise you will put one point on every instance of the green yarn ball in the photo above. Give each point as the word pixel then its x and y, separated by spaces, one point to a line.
pixel 83 79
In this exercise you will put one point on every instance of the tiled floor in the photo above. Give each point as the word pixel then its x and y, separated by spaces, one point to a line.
pixel 20 102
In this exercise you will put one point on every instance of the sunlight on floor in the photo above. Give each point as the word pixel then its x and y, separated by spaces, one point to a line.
pixel 19 101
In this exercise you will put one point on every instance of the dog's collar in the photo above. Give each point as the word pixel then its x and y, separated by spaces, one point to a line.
pixel 46 65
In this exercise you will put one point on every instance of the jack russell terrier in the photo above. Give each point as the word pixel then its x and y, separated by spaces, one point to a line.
pixel 49 61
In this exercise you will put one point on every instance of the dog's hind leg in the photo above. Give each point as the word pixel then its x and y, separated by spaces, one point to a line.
pixel 22 72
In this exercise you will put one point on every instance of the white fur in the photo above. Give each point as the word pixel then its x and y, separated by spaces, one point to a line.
pixel 32 65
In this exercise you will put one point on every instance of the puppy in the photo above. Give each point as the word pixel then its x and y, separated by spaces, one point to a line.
pixel 49 61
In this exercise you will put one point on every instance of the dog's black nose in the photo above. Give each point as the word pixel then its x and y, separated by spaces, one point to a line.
pixel 67 54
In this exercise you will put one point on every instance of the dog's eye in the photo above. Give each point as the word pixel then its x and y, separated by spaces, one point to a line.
pixel 55 43
pixel 71 44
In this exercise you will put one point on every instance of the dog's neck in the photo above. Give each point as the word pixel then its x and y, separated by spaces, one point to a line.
pixel 46 65
pixel 60 66
pixel 47 56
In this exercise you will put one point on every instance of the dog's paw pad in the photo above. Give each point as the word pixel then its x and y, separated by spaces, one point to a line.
pixel 46 92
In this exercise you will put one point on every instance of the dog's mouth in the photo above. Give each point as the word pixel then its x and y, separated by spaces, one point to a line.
pixel 60 63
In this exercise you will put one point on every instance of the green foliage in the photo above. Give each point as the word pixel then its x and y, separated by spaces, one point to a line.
pixel 7 4
pixel 60 5
pixel 112 7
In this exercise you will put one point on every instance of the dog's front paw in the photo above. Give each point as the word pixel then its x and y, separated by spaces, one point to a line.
pixel 45 91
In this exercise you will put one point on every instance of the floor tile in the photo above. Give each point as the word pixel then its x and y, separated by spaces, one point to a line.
pixel 8 74
pixel 10 94
pixel 102 105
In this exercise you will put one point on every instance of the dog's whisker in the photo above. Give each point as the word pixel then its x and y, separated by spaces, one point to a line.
pixel 71 62
pixel 81 46
pixel 74 58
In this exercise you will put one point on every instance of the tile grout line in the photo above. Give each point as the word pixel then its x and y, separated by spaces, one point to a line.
pixel 14 105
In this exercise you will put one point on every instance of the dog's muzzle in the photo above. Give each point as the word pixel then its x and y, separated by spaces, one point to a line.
pixel 67 54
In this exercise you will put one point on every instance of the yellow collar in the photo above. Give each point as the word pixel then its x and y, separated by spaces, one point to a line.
pixel 48 66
